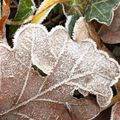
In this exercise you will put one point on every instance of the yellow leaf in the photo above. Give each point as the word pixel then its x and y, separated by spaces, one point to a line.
pixel 44 10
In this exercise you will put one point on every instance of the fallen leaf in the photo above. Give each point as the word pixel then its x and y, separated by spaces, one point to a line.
pixel 5 15
pixel 2 22
pixel 26 95
pixel 111 34
pixel 84 30
pixel 22 89
pixel 44 9
pixel 115 113
pixel 6 8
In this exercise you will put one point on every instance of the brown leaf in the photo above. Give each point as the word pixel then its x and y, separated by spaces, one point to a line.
pixel 69 65
pixel 22 95
pixel 5 15
pixel 84 30
pixel 111 34
pixel 6 8
pixel 2 21
pixel 115 113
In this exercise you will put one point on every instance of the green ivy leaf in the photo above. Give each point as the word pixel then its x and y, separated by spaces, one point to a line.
pixel 25 9
pixel 102 10
pixel 71 23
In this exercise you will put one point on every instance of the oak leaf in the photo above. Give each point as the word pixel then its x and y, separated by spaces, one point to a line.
pixel 84 30
pixel 26 95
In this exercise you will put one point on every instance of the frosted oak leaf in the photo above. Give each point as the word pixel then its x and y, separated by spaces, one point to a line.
pixel 88 68
pixel 26 95
pixel 22 95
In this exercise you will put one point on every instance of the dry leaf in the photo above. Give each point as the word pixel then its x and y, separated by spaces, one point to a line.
pixel 111 34
pixel 22 93
pixel 115 113
pixel 5 14
pixel 6 8
pixel 84 30
pixel 69 65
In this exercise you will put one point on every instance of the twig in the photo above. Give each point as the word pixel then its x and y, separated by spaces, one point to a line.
pixel 11 22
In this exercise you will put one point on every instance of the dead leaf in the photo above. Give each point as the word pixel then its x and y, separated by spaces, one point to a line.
pixel 6 8
pixel 84 30
pixel 115 113
pixel 22 95
pixel 69 65
pixel 5 15
pixel 111 34
pixel 2 22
